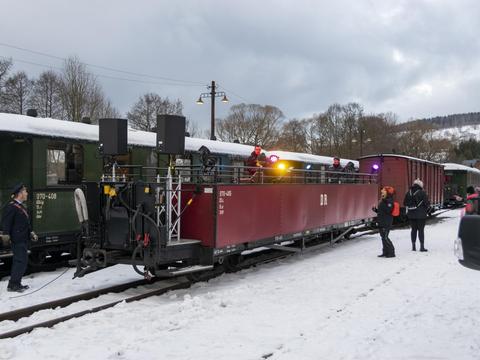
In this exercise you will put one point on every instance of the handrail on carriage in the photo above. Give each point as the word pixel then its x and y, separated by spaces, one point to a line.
pixel 223 174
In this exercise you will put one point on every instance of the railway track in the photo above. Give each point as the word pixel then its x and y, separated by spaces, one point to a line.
pixel 153 289
pixel 15 315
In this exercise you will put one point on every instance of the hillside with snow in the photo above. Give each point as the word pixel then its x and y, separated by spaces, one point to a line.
pixel 458 134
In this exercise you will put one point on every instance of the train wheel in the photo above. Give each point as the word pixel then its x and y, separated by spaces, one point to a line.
pixel 231 263
pixel 37 258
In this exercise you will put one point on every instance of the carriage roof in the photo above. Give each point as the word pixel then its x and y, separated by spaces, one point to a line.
pixel 21 124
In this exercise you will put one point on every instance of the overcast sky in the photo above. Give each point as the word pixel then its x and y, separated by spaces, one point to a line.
pixel 414 58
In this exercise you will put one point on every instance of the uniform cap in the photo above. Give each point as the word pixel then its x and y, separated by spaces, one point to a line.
pixel 17 188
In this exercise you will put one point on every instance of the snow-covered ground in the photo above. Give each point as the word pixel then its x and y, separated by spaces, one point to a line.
pixel 338 303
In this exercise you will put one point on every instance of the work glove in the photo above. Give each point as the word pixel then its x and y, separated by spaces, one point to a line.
pixel 33 236
pixel 5 239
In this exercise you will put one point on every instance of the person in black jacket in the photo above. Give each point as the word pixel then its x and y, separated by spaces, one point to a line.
pixel 417 205
pixel 349 171
pixel 335 171
pixel 16 226
pixel 385 221
pixel 253 160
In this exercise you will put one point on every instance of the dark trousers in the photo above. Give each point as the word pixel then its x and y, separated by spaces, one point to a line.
pixel 19 262
pixel 418 226
pixel 387 246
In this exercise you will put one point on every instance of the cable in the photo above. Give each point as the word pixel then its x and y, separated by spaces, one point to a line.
pixel 230 91
pixel 101 67
pixel 99 75
pixel 40 288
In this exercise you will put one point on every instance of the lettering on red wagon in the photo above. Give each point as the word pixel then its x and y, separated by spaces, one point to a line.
pixel 222 195
pixel 323 199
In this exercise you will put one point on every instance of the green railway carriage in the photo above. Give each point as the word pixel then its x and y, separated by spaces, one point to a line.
pixel 51 168
pixel 457 179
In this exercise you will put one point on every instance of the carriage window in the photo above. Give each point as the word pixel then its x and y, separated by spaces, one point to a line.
pixel 64 164
pixel 184 165
pixel 55 166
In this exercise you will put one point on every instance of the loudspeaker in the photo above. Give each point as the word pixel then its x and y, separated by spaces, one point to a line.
pixel 171 134
pixel 113 136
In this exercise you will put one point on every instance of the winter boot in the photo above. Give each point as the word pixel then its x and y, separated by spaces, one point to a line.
pixel 381 255
pixel 414 247
pixel 422 247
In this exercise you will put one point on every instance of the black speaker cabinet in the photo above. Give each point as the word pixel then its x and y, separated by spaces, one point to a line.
pixel 171 134
pixel 113 136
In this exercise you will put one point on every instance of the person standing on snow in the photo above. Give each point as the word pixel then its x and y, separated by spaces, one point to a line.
pixel 385 221
pixel 17 227
pixel 417 204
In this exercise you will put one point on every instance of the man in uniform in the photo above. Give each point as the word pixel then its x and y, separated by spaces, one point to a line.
pixel 16 225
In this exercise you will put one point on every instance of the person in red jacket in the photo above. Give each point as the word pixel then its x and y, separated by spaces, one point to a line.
pixel 471 206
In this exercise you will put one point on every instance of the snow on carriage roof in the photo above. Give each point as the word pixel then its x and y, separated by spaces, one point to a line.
pixel 73 130
pixel 14 123
pixel 308 158
pixel 400 156
pixel 453 166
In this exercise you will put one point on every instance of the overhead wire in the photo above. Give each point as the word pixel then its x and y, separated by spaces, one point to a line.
pixel 235 94
pixel 102 67
pixel 97 74
pixel 172 81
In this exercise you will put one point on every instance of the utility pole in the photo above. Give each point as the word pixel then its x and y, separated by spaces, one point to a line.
pixel 212 94
pixel 212 120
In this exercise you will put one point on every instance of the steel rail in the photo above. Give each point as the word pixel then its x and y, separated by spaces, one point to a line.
pixel 17 314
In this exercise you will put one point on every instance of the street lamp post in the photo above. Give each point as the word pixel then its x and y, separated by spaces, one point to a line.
pixel 212 94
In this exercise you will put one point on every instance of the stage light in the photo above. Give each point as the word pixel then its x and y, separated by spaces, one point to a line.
pixel 274 158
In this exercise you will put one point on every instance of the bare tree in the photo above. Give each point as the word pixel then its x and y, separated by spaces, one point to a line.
pixel 105 110
pixel 293 136
pixel 5 66
pixel 81 94
pixel 46 95
pixel 418 139
pixel 251 124
pixel 192 128
pixel 326 132
pixel 377 133
pixel 98 106
pixel 17 91
pixel 143 114
pixel 352 113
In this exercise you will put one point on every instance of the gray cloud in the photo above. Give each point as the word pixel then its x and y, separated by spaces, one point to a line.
pixel 415 58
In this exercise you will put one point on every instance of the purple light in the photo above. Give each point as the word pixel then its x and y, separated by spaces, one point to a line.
pixel 273 158
pixel 375 167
